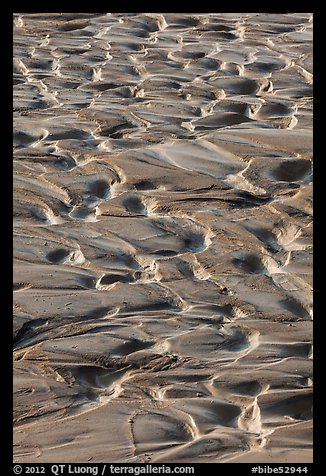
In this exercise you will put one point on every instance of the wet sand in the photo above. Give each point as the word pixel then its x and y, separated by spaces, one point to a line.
pixel 163 237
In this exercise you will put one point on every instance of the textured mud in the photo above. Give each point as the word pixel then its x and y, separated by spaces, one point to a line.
pixel 163 237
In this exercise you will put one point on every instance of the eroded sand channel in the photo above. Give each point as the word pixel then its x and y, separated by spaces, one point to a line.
pixel 163 237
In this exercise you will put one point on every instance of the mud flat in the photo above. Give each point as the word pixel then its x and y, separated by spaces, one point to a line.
pixel 163 237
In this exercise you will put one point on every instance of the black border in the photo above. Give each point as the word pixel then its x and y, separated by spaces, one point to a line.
pixel 7 233
pixel 6 176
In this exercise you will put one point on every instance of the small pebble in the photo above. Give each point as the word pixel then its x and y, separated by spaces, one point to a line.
pixel 223 290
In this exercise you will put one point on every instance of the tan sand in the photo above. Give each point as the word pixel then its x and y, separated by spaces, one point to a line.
pixel 163 237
